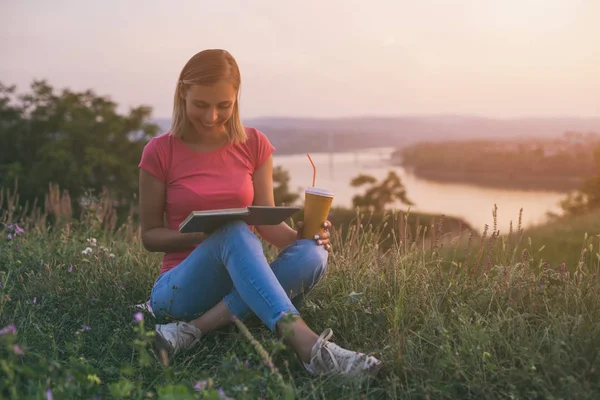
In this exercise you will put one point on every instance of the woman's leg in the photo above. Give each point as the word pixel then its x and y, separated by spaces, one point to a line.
pixel 190 288
pixel 230 257
pixel 200 282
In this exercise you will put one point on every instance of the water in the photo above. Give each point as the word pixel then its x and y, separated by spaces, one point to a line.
pixel 472 203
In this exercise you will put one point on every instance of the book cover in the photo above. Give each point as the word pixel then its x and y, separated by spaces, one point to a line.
pixel 209 220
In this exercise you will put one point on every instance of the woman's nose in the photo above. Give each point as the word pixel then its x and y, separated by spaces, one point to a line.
pixel 211 115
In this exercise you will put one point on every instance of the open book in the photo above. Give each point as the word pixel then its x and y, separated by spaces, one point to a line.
pixel 208 221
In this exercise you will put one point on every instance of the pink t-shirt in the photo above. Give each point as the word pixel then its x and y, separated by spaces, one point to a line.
pixel 203 181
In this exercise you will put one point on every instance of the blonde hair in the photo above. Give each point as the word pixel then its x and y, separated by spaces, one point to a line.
pixel 206 68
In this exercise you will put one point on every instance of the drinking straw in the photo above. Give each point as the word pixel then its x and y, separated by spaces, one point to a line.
pixel 314 169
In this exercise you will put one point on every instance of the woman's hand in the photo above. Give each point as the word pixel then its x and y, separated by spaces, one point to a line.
pixel 322 239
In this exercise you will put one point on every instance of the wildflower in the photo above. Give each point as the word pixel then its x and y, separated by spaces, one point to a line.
pixel 92 241
pixel 9 328
pixel 9 237
pixel 111 255
pixel 16 246
pixel 0 284
pixel 87 251
pixel 19 230
pixel 200 385
pixel 48 394
pixel 9 227
pixel 34 300
pixel 86 328
pixel 93 298
pixel 138 316
pixel 71 268
pixel 18 351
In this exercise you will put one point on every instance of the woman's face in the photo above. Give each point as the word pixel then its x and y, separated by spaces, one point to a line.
pixel 208 108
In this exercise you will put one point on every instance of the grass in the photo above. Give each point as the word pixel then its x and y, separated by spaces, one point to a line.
pixel 502 325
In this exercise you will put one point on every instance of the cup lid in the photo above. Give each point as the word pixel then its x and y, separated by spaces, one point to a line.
pixel 319 192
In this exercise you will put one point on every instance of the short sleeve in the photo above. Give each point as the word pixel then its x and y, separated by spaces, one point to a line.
pixel 264 149
pixel 153 160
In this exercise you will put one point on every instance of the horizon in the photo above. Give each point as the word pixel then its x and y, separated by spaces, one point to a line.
pixel 508 60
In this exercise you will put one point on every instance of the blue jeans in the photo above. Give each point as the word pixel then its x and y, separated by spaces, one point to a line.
pixel 230 265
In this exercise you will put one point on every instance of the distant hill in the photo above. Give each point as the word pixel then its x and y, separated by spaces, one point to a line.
pixel 300 135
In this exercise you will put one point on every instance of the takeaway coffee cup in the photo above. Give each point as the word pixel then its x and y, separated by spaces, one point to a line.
pixel 317 203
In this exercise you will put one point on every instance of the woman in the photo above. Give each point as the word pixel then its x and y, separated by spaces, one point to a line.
pixel 209 160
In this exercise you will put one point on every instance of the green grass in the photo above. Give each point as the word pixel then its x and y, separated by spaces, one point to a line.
pixel 492 328
pixel 568 240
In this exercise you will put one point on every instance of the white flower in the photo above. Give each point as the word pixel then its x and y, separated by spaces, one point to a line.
pixel 92 241
pixel 111 255
pixel 87 251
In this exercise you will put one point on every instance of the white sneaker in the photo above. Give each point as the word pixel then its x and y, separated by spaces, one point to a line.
pixel 327 358
pixel 176 336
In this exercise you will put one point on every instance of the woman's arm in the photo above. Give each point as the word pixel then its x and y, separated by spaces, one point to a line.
pixel 281 235
pixel 155 236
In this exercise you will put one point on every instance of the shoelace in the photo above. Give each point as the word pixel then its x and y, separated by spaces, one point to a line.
pixel 349 357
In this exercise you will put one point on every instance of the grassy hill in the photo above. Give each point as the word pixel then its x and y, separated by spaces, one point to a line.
pixel 68 325
pixel 565 239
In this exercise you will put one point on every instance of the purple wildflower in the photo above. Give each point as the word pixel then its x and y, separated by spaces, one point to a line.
pixel 18 351
pixel 0 284
pixel 9 328
pixel 16 246
pixel 20 230
pixel 138 316
pixel 48 394
pixel 9 236
pixel 9 227
pixel 200 385
pixel 71 268
pixel 34 300
pixel 86 328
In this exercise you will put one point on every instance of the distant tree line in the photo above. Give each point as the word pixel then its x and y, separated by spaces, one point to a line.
pixel 561 164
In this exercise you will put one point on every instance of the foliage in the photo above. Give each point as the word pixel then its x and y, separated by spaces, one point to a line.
pixel 500 325
pixel 281 190
pixel 555 163
pixel 379 194
pixel 587 198
pixel 77 140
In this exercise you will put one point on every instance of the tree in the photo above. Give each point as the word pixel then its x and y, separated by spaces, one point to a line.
pixel 77 140
pixel 588 197
pixel 281 179
pixel 378 195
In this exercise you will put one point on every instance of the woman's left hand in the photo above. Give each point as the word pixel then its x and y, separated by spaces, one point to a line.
pixel 322 239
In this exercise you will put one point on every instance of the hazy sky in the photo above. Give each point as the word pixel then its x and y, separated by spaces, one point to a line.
pixel 324 58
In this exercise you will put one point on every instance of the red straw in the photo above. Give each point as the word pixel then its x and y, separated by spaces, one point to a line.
pixel 314 169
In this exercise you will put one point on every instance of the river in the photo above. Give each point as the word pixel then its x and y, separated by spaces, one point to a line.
pixel 472 203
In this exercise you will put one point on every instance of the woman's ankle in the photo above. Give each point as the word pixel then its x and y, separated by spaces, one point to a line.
pixel 215 318
pixel 298 335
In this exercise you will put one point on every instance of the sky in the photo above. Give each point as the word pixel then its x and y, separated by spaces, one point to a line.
pixel 320 58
